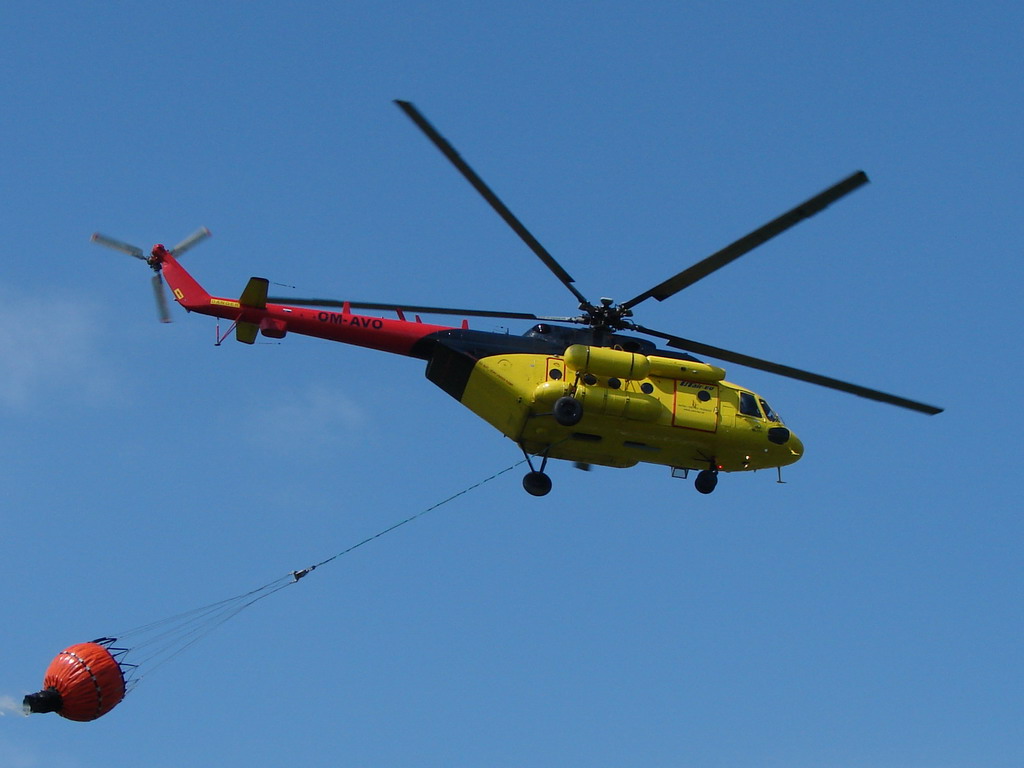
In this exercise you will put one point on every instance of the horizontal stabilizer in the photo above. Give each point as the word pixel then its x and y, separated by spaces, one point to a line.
pixel 255 293
pixel 246 332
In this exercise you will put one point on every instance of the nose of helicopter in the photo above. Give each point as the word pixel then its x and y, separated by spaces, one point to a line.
pixel 795 446
pixel 789 447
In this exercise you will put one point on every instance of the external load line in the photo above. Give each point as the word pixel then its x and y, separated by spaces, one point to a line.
pixel 299 574
pixel 153 645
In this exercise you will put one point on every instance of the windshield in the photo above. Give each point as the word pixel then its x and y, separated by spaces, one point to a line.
pixel 769 413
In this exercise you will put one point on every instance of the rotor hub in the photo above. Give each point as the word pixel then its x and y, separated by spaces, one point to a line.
pixel 608 316
pixel 156 257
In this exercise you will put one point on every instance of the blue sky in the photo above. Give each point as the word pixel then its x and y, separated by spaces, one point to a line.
pixel 868 612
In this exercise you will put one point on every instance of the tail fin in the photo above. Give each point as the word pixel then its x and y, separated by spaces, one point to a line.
pixel 187 292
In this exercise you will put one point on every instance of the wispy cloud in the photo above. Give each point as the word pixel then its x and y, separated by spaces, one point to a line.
pixel 47 347
pixel 314 417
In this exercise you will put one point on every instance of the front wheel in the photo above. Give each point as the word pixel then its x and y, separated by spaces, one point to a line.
pixel 706 481
pixel 537 483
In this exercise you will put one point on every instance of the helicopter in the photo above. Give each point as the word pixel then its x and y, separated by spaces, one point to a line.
pixel 590 388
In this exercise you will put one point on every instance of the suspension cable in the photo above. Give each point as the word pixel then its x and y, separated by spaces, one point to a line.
pixel 160 641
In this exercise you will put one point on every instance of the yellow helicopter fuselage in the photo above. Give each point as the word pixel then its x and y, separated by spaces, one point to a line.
pixel 635 408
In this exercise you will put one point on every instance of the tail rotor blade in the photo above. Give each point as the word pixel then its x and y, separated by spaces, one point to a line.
pixel 196 237
pixel 118 245
pixel 156 263
pixel 162 307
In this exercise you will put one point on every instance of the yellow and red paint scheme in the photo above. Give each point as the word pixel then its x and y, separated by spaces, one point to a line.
pixel 639 404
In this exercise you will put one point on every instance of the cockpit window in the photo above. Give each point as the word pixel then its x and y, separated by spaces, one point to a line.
pixel 768 412
pixel 748 405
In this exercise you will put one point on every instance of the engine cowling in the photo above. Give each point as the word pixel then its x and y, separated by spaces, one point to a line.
pixel 602 361
pixel 684 370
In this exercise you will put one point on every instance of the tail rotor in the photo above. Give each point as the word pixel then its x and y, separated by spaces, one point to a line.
pixel 155 262
pixel 163 308
pixel 117 245
pixel 195 238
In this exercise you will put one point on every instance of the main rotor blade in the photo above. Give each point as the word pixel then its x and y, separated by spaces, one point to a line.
pixel 163 310
pixel 478 184
pixel 298 302
pixel 118 245
pixel 748 243
pixel 793 373
pixel 196 237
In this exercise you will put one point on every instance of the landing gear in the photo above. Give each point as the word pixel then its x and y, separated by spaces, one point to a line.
pixel 537 483
pixel 567 411
pixel 706 481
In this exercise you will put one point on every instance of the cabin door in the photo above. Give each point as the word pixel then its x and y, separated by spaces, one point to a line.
pixel 696 406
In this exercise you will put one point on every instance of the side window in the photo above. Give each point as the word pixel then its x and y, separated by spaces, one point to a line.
pixel 748 405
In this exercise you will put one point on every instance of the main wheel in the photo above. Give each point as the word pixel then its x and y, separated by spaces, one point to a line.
pixel 706 481
pixel 537 483
pixel 567 411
